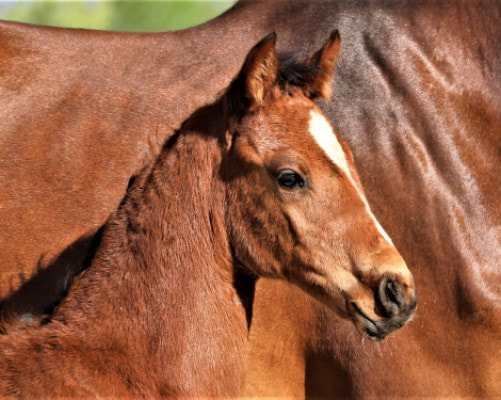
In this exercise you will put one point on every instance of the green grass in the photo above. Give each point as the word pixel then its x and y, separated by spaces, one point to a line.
pixel 137 16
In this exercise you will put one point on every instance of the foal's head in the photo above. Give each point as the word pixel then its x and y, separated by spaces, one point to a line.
pixel 296 208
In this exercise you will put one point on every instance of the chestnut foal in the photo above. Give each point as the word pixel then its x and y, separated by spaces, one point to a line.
pixel 256 184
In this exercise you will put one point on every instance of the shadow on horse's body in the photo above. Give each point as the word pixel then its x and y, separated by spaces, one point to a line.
pixel 417 98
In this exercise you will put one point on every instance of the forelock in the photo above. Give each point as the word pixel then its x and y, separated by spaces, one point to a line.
pixel 295 72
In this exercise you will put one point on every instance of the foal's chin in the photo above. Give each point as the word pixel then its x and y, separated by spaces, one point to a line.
pixel 364 310
pixel 366 313
pixel 377 328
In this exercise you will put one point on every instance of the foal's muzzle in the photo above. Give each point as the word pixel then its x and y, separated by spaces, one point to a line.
pixel 395 301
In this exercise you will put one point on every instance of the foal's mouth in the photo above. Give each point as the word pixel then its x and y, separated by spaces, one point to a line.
pixel 368 326
pixel 378 330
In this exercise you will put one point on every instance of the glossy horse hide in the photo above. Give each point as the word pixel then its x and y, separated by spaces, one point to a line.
pixel 416 96
pixel 256 184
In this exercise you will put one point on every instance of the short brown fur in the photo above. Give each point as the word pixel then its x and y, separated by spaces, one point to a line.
pixel 417 97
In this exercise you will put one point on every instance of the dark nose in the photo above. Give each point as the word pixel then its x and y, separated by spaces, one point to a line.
pixel 395 297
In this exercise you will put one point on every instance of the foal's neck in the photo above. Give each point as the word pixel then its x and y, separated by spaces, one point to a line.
pixel 161 285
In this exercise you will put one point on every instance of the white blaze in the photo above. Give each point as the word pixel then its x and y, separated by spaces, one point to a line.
pixel 325 137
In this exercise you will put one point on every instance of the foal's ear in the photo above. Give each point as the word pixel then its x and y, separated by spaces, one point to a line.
pixel 258 75
pixel 325 60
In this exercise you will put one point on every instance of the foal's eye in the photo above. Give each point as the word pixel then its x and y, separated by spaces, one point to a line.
pixel 289 179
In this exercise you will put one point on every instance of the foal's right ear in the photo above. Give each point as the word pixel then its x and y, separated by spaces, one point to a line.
pixel 258 75
pixel 325 60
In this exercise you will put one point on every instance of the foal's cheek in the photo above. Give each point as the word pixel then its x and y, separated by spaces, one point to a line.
pixel 304 216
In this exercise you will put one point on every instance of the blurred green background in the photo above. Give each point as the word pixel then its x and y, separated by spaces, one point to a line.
pixel 133 15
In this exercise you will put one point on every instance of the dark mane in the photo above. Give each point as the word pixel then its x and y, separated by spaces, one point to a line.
pixel 294 71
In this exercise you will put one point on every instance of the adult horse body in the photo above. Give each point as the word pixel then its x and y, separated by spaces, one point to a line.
pixel 417 97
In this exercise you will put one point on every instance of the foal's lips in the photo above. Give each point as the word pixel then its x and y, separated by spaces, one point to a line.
pixel 370 328
pixel 377 330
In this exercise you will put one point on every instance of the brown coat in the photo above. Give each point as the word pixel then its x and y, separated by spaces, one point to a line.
pixel 416 97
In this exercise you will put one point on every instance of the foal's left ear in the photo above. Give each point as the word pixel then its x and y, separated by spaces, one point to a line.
pixel 325 60
pixel 257 77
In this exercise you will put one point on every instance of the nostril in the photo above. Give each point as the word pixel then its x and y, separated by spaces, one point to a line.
pixel 391 296
pixel 394 293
